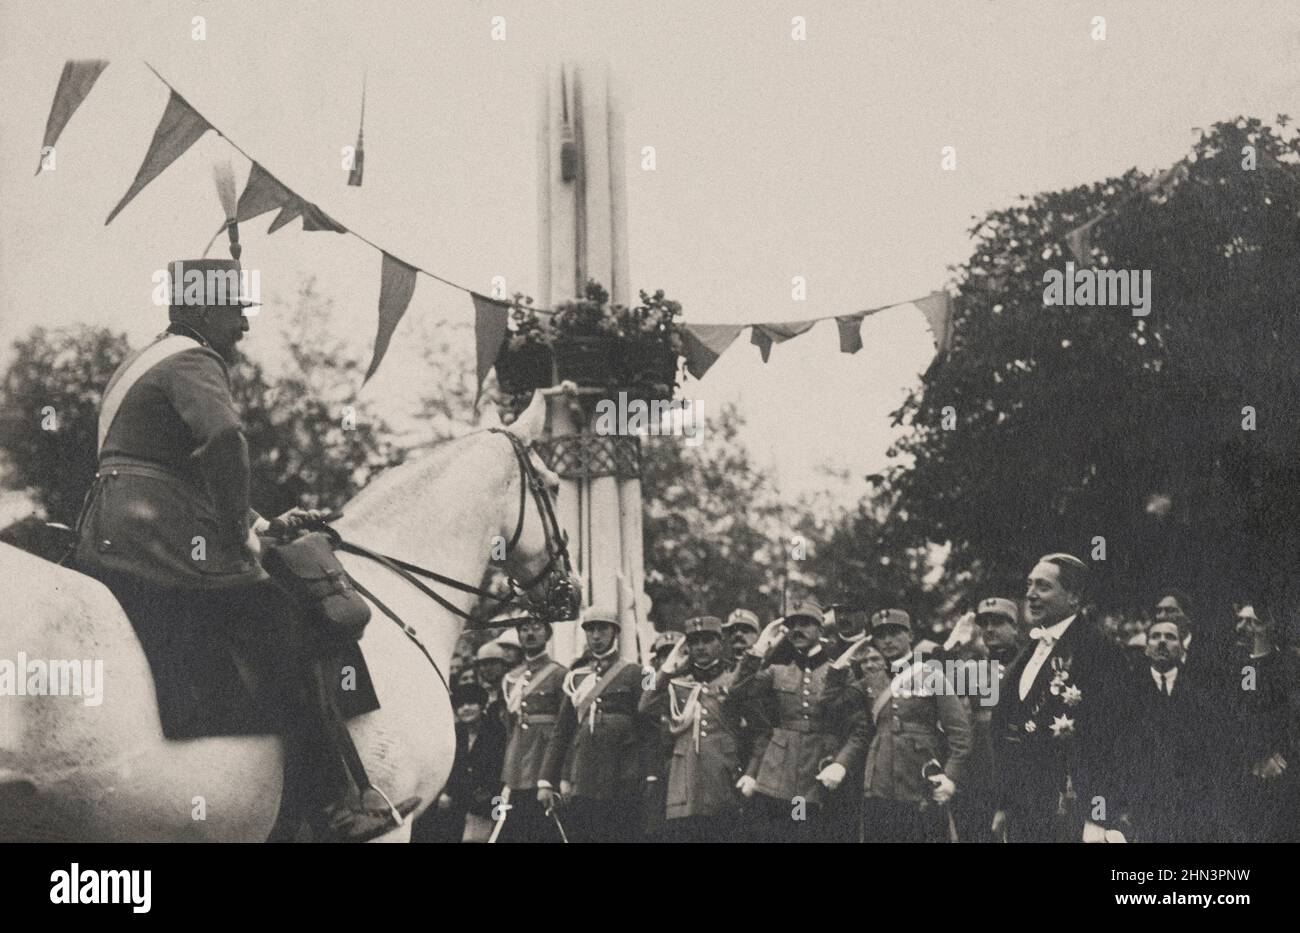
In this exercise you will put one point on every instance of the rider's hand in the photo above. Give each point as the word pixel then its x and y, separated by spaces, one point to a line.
pixel 746 786
pixel 292 520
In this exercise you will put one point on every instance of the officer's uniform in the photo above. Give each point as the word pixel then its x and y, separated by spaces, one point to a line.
pixel 810 730
pixel 533 693
pixel 915 725
pixel 597 747
pixel 704 760
pixel 657 748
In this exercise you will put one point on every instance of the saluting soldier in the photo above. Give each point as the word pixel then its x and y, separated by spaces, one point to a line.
pixel 657 747
pixel 532 695
pixel 595 755
pixel 814 742
pixel 704 761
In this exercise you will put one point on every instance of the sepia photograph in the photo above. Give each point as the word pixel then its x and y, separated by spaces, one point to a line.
pixel 476 422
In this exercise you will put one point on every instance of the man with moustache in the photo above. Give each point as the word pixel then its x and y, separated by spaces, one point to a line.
pixel 532 694
pixel 1170 756
pixel 740 632
pixel 169 529
pixel 921 740
pixel 1058 717
pixel 595 754
pixel 704 758
pixel 813 743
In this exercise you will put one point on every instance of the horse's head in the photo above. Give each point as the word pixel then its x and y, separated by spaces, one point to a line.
pixel 536 553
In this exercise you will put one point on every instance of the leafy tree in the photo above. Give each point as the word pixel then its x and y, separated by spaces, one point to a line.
pixel 715 535
pixel 1075 424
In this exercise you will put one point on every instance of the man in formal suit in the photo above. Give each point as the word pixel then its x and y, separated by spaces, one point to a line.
pixel 704 759
pixel 595 755
pixel 474 778
pixel 813 742
pixel 1172 749
pixel 1205 658
pixel 532 695
pixel 1058 716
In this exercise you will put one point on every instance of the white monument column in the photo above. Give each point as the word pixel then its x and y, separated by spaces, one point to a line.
pixel 582 234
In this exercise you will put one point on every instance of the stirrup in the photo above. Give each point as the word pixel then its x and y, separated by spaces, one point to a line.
pixel 351 820
pixel 397 813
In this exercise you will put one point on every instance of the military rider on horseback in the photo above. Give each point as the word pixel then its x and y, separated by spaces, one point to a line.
pixel 168 528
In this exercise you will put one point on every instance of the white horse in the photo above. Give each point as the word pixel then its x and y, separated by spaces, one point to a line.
pixel 73 771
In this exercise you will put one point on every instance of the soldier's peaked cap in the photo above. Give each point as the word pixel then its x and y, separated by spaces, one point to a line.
pixel 708 625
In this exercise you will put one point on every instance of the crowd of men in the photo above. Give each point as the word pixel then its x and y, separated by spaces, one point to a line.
pixel 1030 723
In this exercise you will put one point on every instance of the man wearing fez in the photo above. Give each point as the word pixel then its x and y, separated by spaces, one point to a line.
pixel 595 756
pixel 532 693
pixel 704 760
pixel 813 743
pixel 1169 754
pixel 1058 717
pixel 168 528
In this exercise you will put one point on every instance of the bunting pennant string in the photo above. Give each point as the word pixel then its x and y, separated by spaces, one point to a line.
pixel 181 126
pixel 74 84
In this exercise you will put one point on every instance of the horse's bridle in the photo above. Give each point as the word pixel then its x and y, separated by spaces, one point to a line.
pixel 562 597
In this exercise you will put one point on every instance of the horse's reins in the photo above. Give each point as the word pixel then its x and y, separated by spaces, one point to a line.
pixel 556 550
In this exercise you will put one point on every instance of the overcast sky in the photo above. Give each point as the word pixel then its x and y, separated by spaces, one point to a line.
pixel 776 158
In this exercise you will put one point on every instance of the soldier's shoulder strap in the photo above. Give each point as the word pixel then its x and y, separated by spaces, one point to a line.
pixel 130 373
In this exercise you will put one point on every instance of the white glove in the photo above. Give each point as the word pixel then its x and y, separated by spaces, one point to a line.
pixel 1093 833
pixel 676 659
pixel 770 638
pixel 746 786
pixel 831 775
pixel 944 788
pixel 962 633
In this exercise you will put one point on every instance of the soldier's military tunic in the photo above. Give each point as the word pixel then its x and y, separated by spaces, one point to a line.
pixel 533 694
pixel 705 754
pixel 809 731
pixel 915 722
pixel 596 751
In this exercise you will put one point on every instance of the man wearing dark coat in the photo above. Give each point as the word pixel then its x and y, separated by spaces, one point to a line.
pixel 1172 752
pixel 595 756
pixel 1058 717
pixel 533 694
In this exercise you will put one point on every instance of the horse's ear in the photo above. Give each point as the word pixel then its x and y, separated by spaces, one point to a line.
pixel 530 425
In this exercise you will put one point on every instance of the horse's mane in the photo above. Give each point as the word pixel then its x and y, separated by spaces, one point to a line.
pixel 389 495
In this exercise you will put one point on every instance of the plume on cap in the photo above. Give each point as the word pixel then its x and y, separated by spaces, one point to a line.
pixel 224 176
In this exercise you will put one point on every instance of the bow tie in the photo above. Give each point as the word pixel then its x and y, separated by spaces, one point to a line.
pixel 1043 635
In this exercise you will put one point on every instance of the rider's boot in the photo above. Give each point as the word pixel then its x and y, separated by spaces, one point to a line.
pixel 356 810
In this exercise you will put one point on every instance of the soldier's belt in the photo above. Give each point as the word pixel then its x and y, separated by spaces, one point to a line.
pixel 808 725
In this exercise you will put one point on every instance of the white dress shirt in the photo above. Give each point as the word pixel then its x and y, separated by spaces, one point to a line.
pixel 1041 653
pixel 1169 677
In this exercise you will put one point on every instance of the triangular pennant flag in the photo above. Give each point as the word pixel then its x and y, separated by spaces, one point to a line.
pixel 850 326
pixel 397 284
pixel 937 308
pixel 291 210
pixel 180 127
pixel 313 219
pixel 702 344
pixel 490 319
pixel 262 193
pixel 764 335
pixel 1079 241
pixel 74 84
